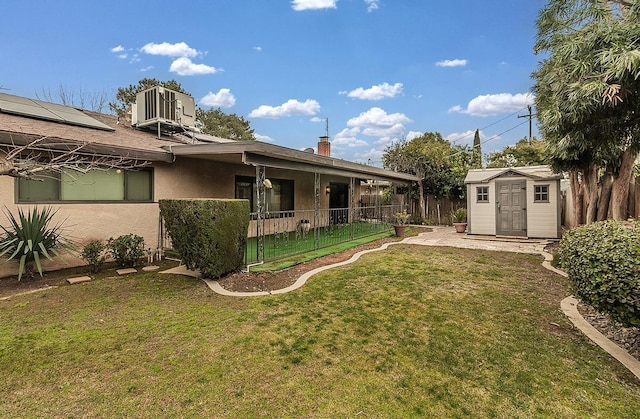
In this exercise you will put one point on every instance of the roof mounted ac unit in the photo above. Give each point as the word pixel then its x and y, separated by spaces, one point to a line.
pixel 164 108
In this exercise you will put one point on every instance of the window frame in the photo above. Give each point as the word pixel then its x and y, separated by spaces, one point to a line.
pixel 540 196
pixel 283 184
pixel 57 178
pixel 482 192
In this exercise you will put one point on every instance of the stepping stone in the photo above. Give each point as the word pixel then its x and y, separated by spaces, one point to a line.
pixel 150 268
pixel 78 279
pixel 126 271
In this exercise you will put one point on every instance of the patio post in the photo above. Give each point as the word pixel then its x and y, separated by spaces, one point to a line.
pixel 260 199
pixel 352 204
pixel 316 212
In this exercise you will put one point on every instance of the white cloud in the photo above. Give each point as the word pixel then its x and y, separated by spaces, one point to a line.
pixel 377 92
pixel 147 68
pixel 264 138
pixel 348 137
pixel 372 5
pixel 289 108
pixel 123 56
pixel 223 99
pixel 179 49
pixel 119 48
pixel 317 119
pixel 258 48
pixel 490 105
pixel 413 134
pixel 134 59
pixel 299 5
pixel 452 63
pixel 184 67
pixel 374 155
pixel 376 122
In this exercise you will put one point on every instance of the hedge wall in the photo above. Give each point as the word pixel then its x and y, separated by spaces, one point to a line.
pixel 209 234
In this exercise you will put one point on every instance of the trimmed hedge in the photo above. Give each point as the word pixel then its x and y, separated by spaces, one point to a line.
pixel 209 234
pixel 602 261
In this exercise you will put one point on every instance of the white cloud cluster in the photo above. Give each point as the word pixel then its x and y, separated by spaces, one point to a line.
pixel 490 105
pixel 377 123
pixel 372 5
pixel 452 63
pixel 348 137
pixel 180 49
pixel 263 138
pixel 377 92
pixel 223 99
pixel 119 48
pixel 299 5
pixel 185 67
pixel 289 108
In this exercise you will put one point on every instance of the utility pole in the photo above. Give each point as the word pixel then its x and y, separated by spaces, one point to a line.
pixel 530 116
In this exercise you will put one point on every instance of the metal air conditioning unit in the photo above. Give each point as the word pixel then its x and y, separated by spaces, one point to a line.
pixel 164 109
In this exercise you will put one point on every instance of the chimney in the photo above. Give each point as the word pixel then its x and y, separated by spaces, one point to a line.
pixel 324 146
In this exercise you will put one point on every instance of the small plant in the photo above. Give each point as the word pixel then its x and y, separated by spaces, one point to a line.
pixel 126 250
pixel 30 237
pixel 402 217
pixel 459 215
pixel 93 254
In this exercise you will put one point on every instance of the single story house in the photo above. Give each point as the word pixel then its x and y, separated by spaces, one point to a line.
pixel 171 161
pixel 514 202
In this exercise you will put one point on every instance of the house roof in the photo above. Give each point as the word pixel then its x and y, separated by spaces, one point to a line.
pixel 533 172
pixel 124 141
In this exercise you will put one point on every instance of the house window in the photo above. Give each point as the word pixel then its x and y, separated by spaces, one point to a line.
pixel 94 186
pixel 541 193
pixel 278 198
pixel 482 194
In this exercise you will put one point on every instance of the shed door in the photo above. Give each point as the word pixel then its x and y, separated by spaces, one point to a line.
pixel 511 214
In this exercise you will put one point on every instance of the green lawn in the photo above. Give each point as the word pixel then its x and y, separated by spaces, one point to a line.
pixel 408 332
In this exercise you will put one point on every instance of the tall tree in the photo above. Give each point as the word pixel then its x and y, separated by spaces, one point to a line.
pixel 588 93
pixel 441 166
pixel 476 162
pixel 523 153
pixel 231 126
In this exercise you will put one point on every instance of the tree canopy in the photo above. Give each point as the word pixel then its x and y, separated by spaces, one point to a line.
pixel 587 94
pixel 523 153
pixel 441 165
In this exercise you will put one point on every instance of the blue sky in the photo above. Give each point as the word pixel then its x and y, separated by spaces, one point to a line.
pixel 379 70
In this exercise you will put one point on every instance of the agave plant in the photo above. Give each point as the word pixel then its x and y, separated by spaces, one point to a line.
pixel 30 237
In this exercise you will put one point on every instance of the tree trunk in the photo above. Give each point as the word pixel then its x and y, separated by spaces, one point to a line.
pixel 421 200
pixel 590 181
pixel 620 192
pixel 577 196
pixel 605 196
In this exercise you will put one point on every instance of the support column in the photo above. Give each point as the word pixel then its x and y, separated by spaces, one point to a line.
pixel 316 211
pixel 352 205
pixel 260 199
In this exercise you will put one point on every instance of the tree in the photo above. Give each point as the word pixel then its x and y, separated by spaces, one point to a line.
pixel 231 126
pixel 97 101
pixel 39 158
pixel 441 166
pixel 587 96
pixel 476 162
pixel 523 153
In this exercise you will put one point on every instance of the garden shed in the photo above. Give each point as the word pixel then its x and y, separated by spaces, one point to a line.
pixel 514 202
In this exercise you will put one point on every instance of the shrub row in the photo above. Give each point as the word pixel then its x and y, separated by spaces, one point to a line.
pixel 602 261
pixel 209 234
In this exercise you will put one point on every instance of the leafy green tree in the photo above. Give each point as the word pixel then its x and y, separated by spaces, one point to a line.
pixel 217 123
pixel 477 151
pixel 441 165
pixel 523 153
pixel 587 96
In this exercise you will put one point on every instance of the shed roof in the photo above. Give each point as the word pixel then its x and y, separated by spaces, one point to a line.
pixel 533 172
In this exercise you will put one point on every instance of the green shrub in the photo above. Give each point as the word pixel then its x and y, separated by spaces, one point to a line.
pixel 602 261
pixel 30 237
pixel 126 250
pixel 210 235
pixel 93 254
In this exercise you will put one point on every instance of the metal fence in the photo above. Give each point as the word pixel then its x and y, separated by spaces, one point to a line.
pixel 280 234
